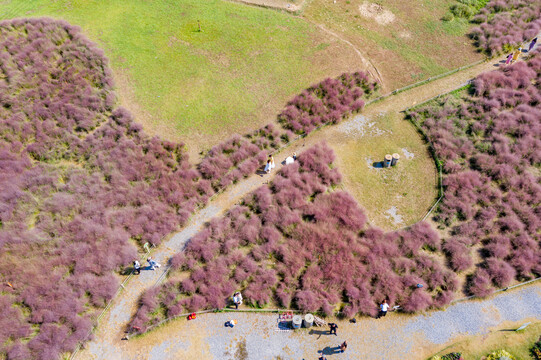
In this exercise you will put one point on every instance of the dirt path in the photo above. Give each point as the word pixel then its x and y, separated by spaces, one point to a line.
pixel 107 343
pixel 367 64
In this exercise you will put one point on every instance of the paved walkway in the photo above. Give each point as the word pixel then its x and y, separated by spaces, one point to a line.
pixel 106 343
pixel 396 336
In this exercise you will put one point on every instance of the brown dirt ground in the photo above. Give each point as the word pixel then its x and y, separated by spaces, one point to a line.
pixel 391 19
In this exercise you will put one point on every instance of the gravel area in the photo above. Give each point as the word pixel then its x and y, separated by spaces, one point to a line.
pixel 397 336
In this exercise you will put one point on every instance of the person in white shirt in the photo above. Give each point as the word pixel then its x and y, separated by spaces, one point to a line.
pixel 136 267
pixel 237 299
pixel 289 160
pixel 383 308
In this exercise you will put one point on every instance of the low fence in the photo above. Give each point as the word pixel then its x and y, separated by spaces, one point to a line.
pixel 121 287
pixel 498 291
pixel 165 321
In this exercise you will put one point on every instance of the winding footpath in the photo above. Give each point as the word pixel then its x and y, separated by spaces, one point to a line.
pixel 206 338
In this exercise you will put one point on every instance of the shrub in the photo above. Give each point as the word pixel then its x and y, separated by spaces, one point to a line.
pixel 327 102
pixel 316 249
pixel 500 355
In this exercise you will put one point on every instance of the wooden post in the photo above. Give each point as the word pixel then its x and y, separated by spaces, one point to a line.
pixel 387 161
pixel 394 161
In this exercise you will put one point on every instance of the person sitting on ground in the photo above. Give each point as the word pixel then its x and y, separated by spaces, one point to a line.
pixel 383 308
pixel 333 328
pixel 231 323
pixel 237 299
pixel 136 267
pixel 152 263
pixel 344 346
pixel 289 160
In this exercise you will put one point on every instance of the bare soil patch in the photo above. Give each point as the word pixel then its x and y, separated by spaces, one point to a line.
pixel 377 12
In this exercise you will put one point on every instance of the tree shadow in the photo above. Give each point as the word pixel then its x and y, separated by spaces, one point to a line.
pixel 330 350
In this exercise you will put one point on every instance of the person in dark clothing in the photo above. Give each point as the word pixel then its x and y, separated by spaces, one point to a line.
pixel 333 328
pixel 344 346
pixel 532 44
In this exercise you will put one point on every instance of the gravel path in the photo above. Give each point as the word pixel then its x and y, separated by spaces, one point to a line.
pixel 396 336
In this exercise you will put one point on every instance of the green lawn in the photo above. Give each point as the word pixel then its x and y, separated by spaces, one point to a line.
pixel 200 87
pixel 517 344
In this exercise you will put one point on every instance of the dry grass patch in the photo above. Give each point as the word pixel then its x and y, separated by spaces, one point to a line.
pixel 407 41
pixel 393 197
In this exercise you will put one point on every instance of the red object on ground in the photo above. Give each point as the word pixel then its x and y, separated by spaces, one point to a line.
pixel 192 316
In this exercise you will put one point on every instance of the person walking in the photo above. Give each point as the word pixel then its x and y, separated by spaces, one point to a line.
pixel 509 58
pixel 136 267
pixel 333 328
pixel 237 299
pixel 152 263
pixel 532 44
pixel 516 54
pixel 273 165
pixel 343 346
pixel 383 308
pixel 268 166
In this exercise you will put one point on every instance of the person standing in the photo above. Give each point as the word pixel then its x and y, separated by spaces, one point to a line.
pixel 532 44
pixel 509 58
pixel 343 346
pixel 383 308
pixel 136 267
pixel 237 299
pixel 271 158
pixel 333 327
pixel 268 166
pixel 516 54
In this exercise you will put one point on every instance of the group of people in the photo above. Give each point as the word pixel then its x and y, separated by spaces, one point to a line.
pixel 512 57
pixel 271 165
pixel 152 265
pixel 383 309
